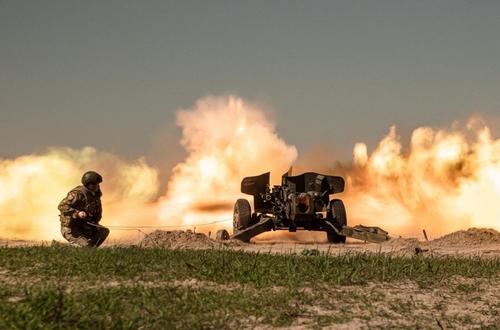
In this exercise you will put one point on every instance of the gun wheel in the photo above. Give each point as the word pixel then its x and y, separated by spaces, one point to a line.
pixel 338 217
pixel 242 216
pixel 222 235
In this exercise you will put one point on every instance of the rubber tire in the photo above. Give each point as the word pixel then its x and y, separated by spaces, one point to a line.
pixel 242 215
pixel 339 219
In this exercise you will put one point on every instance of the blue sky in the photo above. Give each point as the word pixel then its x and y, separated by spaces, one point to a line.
pixel 111 74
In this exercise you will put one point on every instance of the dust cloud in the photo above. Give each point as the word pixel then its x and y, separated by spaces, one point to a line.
pixel 227 139
pixel 447 180
pixel 32 186
pixel 444 180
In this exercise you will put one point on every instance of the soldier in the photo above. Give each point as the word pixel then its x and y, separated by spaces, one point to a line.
pixel 81 212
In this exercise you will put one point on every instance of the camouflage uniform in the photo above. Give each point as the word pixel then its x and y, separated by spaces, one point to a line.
pixel 81 231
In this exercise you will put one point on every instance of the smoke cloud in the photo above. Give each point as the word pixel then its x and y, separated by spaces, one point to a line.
pixel 226 139
pixel 32 186
pixel 447 180
pixel 443 181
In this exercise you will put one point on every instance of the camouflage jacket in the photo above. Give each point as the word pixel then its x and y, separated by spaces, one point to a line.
pixel 80 199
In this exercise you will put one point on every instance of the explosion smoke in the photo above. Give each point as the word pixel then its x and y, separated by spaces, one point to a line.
pixel 32 186
pixel 227 139
pixel 445 182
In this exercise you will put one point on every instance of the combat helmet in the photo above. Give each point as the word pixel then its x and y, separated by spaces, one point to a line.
pixel 91 177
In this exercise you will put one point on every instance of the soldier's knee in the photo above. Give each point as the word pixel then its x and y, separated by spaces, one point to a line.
pixel 104 233
pixel 100 236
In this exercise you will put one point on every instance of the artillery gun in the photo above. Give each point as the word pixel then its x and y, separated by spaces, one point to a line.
pixel 301 202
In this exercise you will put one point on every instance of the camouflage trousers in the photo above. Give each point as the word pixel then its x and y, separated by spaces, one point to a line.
pixel 85 235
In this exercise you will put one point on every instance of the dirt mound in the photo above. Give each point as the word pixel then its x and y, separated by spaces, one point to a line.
pixel 470 237
pixel 402 242
pixel 405 246
pixel 178 240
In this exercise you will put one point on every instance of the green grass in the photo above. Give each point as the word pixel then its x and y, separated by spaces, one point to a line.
pixel 163 307
pixel 222 266
pixel 64 287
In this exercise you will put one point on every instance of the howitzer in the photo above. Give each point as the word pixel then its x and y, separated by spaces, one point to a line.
pixel 301 202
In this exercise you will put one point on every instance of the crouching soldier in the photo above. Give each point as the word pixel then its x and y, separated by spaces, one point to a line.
pixel 81 212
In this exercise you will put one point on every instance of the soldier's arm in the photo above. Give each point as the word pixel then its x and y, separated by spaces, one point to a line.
pixel 68 205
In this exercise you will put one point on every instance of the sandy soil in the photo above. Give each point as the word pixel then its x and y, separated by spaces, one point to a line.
pixel 406 305
pixel 472 242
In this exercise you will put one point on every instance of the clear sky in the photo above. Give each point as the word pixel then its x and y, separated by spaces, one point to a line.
pixel 336 72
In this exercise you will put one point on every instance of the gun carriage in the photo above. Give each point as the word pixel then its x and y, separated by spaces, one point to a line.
pixel 301 202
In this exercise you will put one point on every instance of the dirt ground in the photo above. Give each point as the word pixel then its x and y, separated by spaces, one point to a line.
pixel 472 242
pixel 481 242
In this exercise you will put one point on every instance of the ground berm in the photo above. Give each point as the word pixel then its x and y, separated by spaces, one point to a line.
pixel 301 202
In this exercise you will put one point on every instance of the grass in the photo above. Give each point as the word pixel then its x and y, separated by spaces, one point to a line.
pixel 64 287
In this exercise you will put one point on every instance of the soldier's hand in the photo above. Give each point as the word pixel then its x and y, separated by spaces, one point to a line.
pixel 82 214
